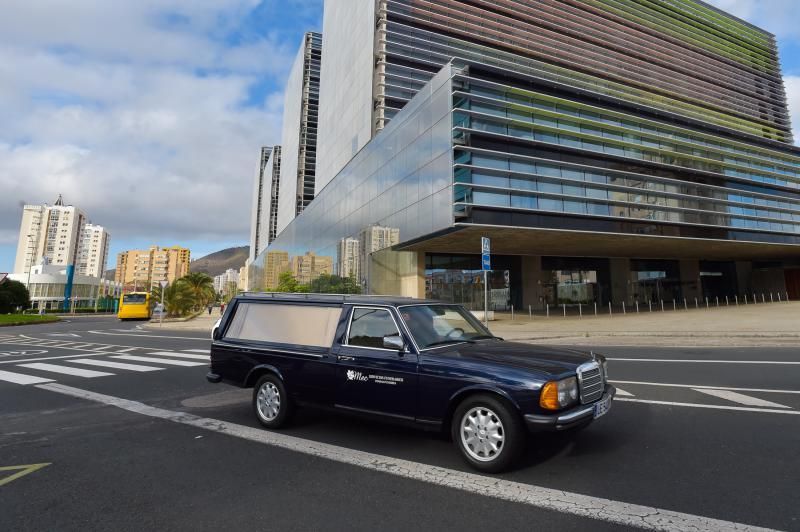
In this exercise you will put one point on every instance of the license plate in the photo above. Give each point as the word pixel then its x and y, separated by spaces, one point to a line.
pixel 601 408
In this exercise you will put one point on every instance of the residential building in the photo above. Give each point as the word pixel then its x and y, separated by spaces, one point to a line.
pixel 299 139
pixel 227 283
pixel 309 266
pixel 371 239
pixel 646 151
pixel 243 278
pixel 275 263
pixel 52 234
pixel 142 269
pixel 93 251
pixel 348 258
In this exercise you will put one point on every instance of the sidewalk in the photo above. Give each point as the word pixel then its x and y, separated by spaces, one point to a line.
pixel 771 324
pixel 203 322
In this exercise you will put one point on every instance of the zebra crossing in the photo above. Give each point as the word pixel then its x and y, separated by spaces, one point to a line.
pixel 99 363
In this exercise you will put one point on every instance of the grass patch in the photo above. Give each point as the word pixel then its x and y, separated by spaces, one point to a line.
pixel 7 320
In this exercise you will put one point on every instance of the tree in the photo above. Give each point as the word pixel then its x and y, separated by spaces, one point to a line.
pixel 13 295
pixel 202 287
pixel 287 283
pixel 179 298
pixel 333 284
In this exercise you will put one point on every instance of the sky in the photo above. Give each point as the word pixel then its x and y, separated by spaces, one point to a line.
pixel 149 115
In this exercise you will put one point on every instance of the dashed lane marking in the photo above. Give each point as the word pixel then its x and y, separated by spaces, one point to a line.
pixel 617 512
pixel 66 370
pixel 142 335
pixel 154 360
pixel 114 365
pixel 713 407
pixel 740 398
pixel 206 351
pixel 179 355
pixel 700 386
pixel 623 393
pixel 19 378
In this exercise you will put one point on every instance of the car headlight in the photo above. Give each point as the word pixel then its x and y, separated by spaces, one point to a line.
pixel 559 394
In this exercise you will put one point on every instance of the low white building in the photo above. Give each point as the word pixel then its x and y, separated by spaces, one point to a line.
pixel 227 282
pixel 47 284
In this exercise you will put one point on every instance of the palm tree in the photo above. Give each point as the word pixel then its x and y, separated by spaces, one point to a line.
pixel 179 298
pixel 202 286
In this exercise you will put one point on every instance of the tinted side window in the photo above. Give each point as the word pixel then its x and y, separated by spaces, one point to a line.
pixel 369 326
pixel 285 324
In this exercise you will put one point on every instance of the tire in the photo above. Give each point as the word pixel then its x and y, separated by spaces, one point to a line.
pixel 499 434
pixel 271 403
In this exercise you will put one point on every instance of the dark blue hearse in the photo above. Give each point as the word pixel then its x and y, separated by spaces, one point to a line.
pixel 427 363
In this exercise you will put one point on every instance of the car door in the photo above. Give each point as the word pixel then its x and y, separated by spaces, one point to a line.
pixel 372 378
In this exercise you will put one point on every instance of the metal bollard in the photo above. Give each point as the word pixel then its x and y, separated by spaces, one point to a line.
pixel 623 308
pixel 706 302
pixel 717 298
pixel 695 303
pixel 727 303
pixel 662 305
pixel 737 300
pixel 650 305
pixel 610 314
pixel 637 306
pixel 595 308
pixel 763 299
pixel 565 309
pixel 685 306
pixel 548 310
pixel 755 299
pixel 779 297
pixel 745 299
pixel 580 310
pixel 530 313
pixel 771 300
pixel 674 305
pixel 512 312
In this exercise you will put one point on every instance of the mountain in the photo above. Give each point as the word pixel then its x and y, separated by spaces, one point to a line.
pixel 216 263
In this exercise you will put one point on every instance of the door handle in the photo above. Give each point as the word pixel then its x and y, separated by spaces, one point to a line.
pixel 343 358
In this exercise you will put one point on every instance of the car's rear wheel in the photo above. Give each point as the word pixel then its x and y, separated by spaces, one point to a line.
pixel 271 403
pixel 488 433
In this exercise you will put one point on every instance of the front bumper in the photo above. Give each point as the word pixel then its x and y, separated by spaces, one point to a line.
pixel 578 416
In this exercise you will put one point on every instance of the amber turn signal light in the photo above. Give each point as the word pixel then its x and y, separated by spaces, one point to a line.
pixel 549 396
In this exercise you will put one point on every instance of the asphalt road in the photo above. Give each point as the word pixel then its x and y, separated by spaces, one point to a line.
pixel 707 432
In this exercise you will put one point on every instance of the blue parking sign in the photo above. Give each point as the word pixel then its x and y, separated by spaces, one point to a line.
pixel 486 261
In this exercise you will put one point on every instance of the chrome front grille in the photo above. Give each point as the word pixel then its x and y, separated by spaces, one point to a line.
pixel 590 382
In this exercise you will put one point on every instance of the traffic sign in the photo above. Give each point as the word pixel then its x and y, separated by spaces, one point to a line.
pixel 164 284
pixel 486 261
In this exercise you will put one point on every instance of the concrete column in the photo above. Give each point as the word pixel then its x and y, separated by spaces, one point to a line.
pixel 620 281
pixel 690 279
pixel 531 281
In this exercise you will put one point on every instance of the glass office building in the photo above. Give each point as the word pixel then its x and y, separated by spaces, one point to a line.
pixel 613 150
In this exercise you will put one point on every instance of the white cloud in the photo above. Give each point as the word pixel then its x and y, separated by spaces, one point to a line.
pixel 135 112
pixel 776 16
pixel 792 84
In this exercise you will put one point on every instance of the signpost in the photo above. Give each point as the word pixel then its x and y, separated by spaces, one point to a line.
pixel 161 314
pixel 486 265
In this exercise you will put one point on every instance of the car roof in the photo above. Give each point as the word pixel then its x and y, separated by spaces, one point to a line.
pixel 351 299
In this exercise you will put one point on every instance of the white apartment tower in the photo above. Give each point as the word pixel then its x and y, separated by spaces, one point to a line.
pixel 93 251
pixel 54 233
pixel 347 258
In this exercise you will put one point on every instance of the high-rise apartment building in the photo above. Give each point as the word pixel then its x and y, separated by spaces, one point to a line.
pixel 60 235
pixel 227 283
pixel 299 140
pixel 142 269
pixel 348 259
pixel 309 266
pixel 371 239
pixel 260 204
pixel 643 147
pixel 93 251
pixel 276 262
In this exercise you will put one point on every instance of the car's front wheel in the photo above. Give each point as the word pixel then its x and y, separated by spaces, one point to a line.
pixel 488 433
pixel 271 403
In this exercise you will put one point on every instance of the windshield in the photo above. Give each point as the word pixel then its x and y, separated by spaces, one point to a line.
pixel 132 299
pixel 433 325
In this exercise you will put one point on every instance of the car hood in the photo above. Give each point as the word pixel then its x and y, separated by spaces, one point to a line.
pixel 549 360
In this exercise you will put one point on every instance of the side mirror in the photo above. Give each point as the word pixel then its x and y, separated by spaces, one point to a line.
pixel 394 342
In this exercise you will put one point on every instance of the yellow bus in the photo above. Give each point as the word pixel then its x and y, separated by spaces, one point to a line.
pixel 134 306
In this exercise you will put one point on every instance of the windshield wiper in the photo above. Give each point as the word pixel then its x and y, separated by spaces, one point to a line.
pixel 450 341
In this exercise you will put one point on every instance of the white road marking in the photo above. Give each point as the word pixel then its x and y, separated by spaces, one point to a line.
pixel 154 360
pixel 142 335
pixel 19 378
pixel 623 393
pixel 695 386
pixel 712 407
pixel 115 365
pixel 179 355
pixel 64 334
pixel 740 398
pixel 206 351
pixel 702 361
pixel 77 372
pixel 611 511
pixel 127 350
